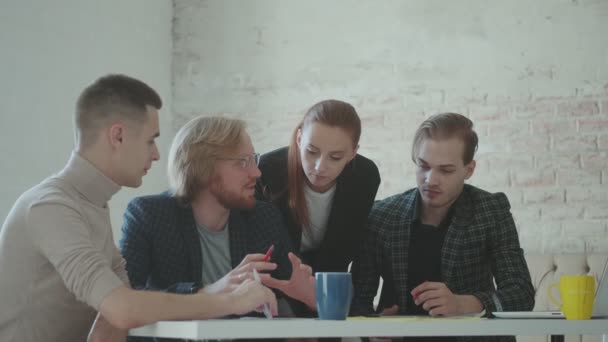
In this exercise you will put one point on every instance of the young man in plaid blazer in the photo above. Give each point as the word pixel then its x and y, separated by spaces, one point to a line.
pixel 441 247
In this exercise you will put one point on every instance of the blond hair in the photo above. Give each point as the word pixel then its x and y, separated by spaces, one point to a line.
pixel 445 126
pixel 194 151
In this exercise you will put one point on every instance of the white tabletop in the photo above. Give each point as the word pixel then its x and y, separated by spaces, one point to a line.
pixel 354 327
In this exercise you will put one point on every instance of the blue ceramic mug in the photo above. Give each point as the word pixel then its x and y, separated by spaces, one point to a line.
pixel 334 291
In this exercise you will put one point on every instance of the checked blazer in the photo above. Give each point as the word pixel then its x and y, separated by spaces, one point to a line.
pixel 160 242
pixel 481 246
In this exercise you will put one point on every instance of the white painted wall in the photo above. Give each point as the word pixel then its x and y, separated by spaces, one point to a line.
pixel 50 51
pixel 533 75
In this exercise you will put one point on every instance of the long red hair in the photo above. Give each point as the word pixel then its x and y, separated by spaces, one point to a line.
pixel 333 113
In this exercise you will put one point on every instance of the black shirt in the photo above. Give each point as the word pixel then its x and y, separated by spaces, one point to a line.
pixel 424 257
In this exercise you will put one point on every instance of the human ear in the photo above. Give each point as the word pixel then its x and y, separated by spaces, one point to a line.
pixel 470 169
pixel 355 152
pixel 117 132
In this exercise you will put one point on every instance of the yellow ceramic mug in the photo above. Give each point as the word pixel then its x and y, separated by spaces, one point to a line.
pixel 577 293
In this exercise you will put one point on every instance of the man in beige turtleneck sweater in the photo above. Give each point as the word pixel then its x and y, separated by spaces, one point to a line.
pixel 59 266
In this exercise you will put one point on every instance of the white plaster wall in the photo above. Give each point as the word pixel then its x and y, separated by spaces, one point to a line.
pixel 50 51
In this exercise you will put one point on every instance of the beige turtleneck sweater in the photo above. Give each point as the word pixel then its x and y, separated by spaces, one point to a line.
pixel 58 259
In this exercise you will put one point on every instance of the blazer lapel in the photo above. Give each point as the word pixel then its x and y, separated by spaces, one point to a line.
pixel 452 244
pixel 400 243
pixel 191 240
pixel 238 237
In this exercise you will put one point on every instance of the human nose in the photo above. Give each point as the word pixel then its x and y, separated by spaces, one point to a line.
pixel 320 164
pixel 255 171
pixel 155 153
pixel 431 178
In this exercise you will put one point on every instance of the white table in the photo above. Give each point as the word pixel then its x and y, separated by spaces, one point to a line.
pixel 302 327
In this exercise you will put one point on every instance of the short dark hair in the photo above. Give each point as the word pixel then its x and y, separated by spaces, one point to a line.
pixel 444 126
pixel 112 96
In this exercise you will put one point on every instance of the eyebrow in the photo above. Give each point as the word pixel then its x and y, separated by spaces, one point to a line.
pixel 443 165
pixel 332 152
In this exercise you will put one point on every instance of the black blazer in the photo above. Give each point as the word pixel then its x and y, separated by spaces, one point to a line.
pixel 355 193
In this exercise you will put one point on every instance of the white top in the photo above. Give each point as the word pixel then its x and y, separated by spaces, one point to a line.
pixel 319 207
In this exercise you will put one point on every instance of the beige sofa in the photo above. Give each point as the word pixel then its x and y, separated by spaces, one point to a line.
pixel 546 269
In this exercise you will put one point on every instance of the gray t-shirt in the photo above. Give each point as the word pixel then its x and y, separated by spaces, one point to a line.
pixel 215 247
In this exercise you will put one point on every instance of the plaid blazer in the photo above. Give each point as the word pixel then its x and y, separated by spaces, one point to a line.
pixel 160 242
pixel 161 246
pixel 481 246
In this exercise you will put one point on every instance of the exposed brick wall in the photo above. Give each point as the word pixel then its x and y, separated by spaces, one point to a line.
pixel 533 76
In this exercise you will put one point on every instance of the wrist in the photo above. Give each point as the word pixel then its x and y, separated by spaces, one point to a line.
pixel 216 305
pixel 470 304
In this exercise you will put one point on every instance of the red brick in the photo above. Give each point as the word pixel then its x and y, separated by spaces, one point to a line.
pixel 583 228
pixel 557 160
pixel 582 108
pixel 525 214
pixel 386 103
pixel 548 196
pixel 564 245
pixel 482 166
pixel 488 114
pixel 575 177
pixel 491 145
pixel 553 126
pixel 410 119
pixel 501 161
pixel 537 109
pixel 587 194
pixel 384 136
pixel 602 141
pixel 597 125
pixel 533 178
pixel 482 129
pixel 372 121
pixel 598 245
pixel 560 212
pixel 517 129
pixel 514 195
pixel 595 161
pixel 575 143
pixel 596 211
pixel 534 143
pixel 531 242
pixel 493 182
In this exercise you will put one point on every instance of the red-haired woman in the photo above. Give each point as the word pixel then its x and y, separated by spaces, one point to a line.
pixel 323 188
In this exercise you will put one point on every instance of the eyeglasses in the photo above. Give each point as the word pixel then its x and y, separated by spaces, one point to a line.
pixel 245 162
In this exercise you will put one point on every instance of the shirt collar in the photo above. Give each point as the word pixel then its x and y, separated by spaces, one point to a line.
pixel 89 181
